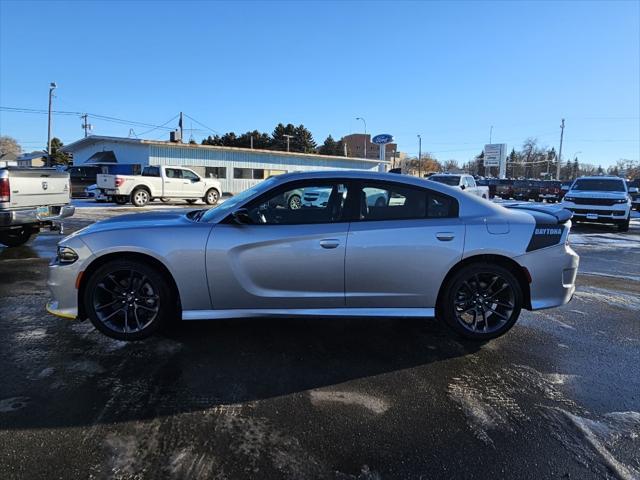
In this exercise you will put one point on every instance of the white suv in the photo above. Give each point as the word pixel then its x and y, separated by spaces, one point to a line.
pixel 603 199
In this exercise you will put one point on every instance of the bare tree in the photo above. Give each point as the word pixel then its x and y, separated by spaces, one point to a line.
pixel 9 147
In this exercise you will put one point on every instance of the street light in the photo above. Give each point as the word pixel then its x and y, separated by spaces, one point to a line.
pixel 419 156
pixel 365 135
pixel 288 137
pixel 52 87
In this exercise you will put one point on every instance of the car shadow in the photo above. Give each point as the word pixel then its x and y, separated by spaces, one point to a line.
pixel 89 379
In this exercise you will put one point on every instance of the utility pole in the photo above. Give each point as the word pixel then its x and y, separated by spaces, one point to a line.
pixel 252 141
pixel 288 139
pixel 365 135
pixel 86 125
pixel 490 134
pixel 419 156
pixel 560 150
pixel 52 87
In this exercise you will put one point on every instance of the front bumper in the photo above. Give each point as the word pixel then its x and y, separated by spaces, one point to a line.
pixel 553 273
pixel 599 213
pixel 31 216
pixel 62 281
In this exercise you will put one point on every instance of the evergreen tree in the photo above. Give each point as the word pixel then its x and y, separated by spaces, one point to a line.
pixel 328 147
pixel 303 140
pixel 58 157
pixel 279 141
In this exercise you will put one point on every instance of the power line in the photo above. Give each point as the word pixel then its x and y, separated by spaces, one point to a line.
pixel 98 116
pixel 202 124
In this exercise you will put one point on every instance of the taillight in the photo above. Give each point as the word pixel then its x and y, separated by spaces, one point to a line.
pixel 5 192
pixel 119 181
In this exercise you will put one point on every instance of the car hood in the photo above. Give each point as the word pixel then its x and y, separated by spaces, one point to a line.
pixel 595 194
pixel 137 220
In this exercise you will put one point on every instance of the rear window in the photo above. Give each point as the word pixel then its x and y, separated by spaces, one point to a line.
pixel 151 172
pixel 453 180
pixel 401 202
pixel 599 184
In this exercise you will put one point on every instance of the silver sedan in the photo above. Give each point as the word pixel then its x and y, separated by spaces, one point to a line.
pixel 380 245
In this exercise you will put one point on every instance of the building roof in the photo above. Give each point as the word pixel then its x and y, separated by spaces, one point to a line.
pixel 92 139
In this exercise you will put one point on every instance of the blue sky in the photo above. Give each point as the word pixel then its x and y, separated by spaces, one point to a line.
pixel 445 70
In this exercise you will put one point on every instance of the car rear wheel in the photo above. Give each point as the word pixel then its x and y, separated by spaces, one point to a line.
pixel 212 196
pixel 15 237
pixel 120 200
pixel 481 301
pixel 128 300
pixel 140 197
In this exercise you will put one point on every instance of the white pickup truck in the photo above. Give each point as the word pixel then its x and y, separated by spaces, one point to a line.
pixel 160 182
pixel 464 182
pixel 32 199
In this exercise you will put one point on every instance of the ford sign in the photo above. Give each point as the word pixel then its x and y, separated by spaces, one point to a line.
pixel 382 139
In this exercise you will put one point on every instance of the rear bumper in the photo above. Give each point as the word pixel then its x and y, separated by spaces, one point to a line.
pixel 30 216
pixel 553 275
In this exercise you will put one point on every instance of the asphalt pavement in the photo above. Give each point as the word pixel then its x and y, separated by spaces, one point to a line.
pixel 556 397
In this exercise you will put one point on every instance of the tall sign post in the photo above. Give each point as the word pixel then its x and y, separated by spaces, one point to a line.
pixel 382 140
pixel 495 155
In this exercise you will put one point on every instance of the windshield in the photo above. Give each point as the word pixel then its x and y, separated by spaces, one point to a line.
pixel 446 179
pixel 599 185
pixel 230 204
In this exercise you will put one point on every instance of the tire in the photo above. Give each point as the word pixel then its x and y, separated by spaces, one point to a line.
pixel 497 294
pixel 110 287
pixel 164 200
pixel 191 201
pixel 16 237
pixel 211 197
pixel 120 200
pixel 294 202
pixel 624 226
pixel 140 197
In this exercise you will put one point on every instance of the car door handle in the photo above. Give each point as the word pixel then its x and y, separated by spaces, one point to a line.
pixel 445 236
pixel 329 243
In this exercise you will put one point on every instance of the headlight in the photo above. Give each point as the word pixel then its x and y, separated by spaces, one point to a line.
pixel 66 255
pixel 621 200
pixel 569 199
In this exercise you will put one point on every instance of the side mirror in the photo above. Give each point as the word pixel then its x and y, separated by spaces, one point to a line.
pixel 462 187
pixel 195 180
pixel 633 190
pixel 241 216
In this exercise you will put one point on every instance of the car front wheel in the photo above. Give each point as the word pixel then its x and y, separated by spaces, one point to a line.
pixel 481 301
pixel 128 300
pixel 624 226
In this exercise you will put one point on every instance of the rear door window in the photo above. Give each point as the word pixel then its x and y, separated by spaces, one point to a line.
pixel 402 202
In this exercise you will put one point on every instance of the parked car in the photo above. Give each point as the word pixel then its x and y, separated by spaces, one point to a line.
pixel 82 177
pixel 603 199
pixel 31 199
pixel 550 191
pixel 432 251
pixel 504 188
pixel 634 192
pixel 522 190
pixel 162 182
pixel 462 181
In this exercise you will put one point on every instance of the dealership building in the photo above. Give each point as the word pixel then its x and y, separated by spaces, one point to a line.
pixel 236 168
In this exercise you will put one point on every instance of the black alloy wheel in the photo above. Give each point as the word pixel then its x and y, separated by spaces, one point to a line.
pixel 482 301
pixel 128 300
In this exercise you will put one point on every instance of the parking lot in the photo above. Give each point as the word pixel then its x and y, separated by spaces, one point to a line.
pixel 556 397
